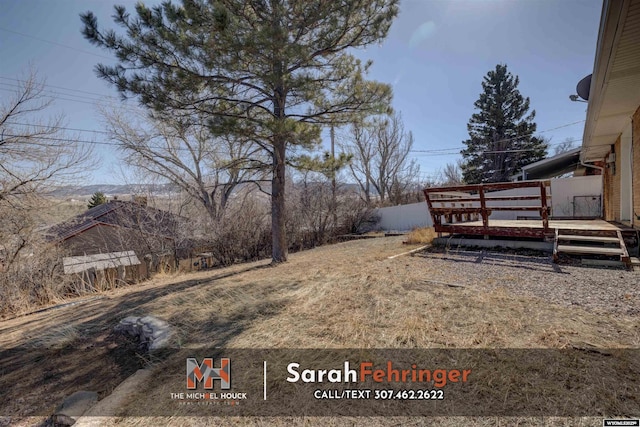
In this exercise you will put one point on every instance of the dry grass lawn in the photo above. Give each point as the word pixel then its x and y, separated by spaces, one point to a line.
pixel 348 295
pixel 421 235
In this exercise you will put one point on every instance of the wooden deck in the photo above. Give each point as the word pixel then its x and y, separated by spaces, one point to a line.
pixel 467 210
pixel 561 224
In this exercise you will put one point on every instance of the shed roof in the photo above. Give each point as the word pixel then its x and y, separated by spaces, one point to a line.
pixel 78 264
pixel 118 213
pixel 553 166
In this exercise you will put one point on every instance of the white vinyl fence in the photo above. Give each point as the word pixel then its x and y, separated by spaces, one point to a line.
pixel 404 217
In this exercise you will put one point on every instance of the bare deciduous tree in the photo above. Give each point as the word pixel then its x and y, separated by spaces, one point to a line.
pixel 205 167
pixel 380 159
pixel 362 148
pixel 451 174
pixel 35 155
pixel 563 147
pixel 310 219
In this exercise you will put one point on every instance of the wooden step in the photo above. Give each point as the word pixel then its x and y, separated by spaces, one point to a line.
pixel 590 250
pixel 576 249
pixel 625 254
pixel 588 238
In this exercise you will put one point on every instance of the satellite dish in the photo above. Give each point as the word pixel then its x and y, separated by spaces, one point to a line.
pixel 583 87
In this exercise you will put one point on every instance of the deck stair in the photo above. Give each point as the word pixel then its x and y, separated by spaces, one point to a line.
pixel 591 243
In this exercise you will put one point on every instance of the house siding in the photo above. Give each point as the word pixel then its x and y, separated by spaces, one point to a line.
pixel 98 239
pixel 607 199
pixel 612 186
pixel 105 239
pixel 635 171
pixel 616 188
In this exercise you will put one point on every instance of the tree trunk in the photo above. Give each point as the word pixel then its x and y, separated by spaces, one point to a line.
pixel 209 201
pixel 367 190
pixel 278 232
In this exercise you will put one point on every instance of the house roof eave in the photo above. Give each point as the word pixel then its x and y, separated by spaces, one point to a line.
pixel 614 93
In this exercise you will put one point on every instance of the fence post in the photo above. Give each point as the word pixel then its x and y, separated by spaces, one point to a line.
pixel 483 211
pixel 543 202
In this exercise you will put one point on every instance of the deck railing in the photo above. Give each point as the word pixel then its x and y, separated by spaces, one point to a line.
pixel 452 206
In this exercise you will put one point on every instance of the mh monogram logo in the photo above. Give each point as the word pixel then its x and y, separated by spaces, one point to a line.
pixel 207 373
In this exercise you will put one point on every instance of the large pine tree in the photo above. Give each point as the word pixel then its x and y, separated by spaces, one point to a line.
pixel 271 71
pixel 501 137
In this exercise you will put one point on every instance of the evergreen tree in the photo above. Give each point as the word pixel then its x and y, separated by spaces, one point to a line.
pixel 501 137
pixel 273 71
pixel 97 199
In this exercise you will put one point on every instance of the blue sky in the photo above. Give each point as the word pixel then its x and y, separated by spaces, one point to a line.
pixel 435 57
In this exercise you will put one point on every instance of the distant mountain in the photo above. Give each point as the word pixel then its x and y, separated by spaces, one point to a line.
pixel 111 190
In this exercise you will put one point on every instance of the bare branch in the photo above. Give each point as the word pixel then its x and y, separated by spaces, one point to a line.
pixel 185 153
pixel 381 164
pixel 29 155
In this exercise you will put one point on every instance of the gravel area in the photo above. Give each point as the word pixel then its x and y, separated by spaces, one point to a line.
pixel 612 290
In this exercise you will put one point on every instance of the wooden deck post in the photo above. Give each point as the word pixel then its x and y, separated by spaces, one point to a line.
pixel 436 218
pixel 544 211
pixel 483 212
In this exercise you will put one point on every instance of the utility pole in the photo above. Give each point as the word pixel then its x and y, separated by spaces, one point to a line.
pixel 333 179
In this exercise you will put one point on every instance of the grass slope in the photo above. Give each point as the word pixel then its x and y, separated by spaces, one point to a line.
pixel 346 295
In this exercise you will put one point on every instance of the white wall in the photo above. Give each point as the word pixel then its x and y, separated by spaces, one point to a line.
pixel 563 190
pixel 626 160
pixel 404 217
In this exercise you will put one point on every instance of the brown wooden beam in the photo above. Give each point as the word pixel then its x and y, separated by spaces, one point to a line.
pixel 489 186
pixel 516 208
pixel 492 231
pixel 487 198
pixel 446 211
